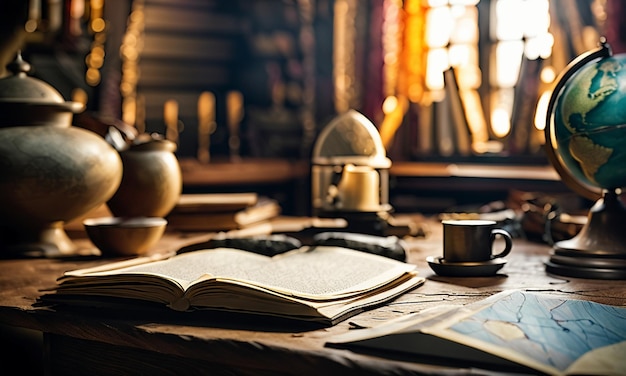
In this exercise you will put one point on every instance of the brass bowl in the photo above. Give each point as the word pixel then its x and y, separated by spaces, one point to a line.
pixel 116 236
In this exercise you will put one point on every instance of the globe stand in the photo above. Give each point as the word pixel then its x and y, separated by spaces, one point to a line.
pixel 599 250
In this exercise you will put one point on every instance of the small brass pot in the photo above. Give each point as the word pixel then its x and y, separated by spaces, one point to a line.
pixel 152 179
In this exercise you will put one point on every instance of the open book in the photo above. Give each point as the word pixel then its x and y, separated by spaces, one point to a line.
pixel 509 330
pixel 319 284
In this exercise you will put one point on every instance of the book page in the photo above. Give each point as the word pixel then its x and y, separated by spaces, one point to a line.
pixel 241 297
pixel 321 273
pixel 312 273
pixel 188 267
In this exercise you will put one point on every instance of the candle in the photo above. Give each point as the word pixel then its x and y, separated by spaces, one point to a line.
pixel 206 125
pixel 170 116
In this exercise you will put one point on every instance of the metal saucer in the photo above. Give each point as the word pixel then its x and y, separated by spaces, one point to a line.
pixel 465 269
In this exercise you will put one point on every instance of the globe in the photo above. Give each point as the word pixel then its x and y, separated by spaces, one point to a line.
pixel 586 143
pixel 590 123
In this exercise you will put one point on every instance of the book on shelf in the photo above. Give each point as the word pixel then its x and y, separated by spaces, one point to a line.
pixel 526 98
pixel 444 128
pixel 476 118
pixel 214 202
pixel 322 284
pixel 424 134
pixel 514 330
pixel 460 126
pixel 224 215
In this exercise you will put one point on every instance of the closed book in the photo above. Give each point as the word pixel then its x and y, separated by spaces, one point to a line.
pixel 264 209
pixel 214 202
pixel 460 126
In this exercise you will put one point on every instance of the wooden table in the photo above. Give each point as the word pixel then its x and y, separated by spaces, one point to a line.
pixel 105 343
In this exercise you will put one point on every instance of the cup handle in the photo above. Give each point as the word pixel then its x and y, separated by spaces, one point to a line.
pixel 507 239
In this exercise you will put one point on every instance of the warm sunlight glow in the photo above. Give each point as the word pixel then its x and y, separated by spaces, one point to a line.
pixel 548 74
pixel 439 26
pixel 170 117
pixel 206 125
pixel 539 47
pixel 542 110
pixel 527 21
pixel 460 54
pixel 508 61
pixel 390 104
pixel 170 112
pixel 536 16
pixel 79 95
pixel 522 31
pixel 509 20
pixel 500 122
pixel 133 111
pixel 129 110
pixel 437 63
pixel 476 117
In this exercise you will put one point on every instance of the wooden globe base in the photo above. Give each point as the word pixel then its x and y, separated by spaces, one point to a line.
pixel 598 251
pixel 50 241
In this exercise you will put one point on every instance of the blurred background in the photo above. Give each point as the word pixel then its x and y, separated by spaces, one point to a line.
pixel 456 88
pixel 449 84
pixel 274 72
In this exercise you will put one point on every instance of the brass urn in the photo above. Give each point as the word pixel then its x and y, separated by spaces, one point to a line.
pixel 50 171
pixel 152 180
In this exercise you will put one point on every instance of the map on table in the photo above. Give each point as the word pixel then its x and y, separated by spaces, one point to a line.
pixel 552 331
pixel 542 331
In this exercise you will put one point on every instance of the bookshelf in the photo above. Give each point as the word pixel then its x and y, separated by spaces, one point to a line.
pixel 434 187
pixel 427 187
pixel 285 180
pixel 256 47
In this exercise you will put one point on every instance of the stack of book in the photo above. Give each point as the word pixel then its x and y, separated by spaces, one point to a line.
pixel 221 211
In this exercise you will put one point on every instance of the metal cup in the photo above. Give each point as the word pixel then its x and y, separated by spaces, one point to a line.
pixel 472 240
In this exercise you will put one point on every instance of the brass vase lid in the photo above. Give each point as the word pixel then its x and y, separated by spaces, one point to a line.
pixel 31 100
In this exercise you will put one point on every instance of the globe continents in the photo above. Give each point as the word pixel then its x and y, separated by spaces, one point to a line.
pixel 590 123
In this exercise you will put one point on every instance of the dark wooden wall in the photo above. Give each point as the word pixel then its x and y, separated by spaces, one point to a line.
pixel 254 47
pixel 189 47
